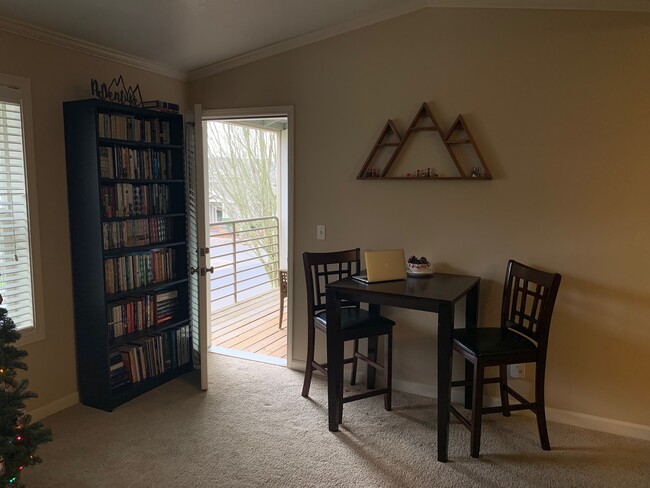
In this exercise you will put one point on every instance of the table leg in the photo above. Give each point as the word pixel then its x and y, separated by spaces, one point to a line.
pixel 445 328
pixel 471 320
pixel 371 374
pixel 334 358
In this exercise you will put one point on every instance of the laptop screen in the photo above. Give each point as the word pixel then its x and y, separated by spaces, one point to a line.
pixel 385 265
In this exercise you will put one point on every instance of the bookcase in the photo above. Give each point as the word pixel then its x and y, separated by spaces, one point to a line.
pixel 126 199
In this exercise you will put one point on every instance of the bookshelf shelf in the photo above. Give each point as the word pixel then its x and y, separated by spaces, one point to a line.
pixel 126 181
pixel 124 250
pixel 118 341
pixel 144 289
pixel 104 141
pixel 108 181
pixel 124 393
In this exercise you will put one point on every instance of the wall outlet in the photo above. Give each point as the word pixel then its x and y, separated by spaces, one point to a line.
pixel 320 232
pixel 517 370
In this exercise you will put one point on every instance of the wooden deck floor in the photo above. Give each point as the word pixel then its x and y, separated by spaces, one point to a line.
pixel 252 326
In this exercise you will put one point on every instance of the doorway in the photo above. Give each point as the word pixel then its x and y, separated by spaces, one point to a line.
pixel 248 168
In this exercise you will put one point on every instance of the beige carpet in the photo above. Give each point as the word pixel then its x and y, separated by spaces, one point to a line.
pixel 252 428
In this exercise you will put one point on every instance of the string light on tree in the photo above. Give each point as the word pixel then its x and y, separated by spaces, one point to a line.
pixel 19 437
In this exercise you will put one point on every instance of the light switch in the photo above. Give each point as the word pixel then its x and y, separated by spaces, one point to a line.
pixel 320 232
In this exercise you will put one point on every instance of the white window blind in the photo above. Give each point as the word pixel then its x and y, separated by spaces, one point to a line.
pixel 16 284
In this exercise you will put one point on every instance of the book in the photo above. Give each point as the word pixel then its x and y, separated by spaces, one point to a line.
pixel 161 105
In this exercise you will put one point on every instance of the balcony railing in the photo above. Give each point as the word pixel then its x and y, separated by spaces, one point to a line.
pixel 245 255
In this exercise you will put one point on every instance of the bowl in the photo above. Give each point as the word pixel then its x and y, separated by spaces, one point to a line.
pixel 419 269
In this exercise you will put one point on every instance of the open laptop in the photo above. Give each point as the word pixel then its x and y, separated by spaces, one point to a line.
pixel 386 265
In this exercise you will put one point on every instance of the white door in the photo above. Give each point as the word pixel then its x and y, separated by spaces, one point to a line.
pixel 198 241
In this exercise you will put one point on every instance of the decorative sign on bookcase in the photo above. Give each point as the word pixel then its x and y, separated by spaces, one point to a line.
pixel 117 92
pixel 126 194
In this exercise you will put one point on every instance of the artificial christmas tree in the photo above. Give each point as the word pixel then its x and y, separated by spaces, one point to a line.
pixel 19 438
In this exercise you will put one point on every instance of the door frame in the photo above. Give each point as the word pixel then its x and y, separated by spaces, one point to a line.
pixel 274 111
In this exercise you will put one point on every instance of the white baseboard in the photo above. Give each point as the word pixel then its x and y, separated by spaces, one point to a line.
pixel 298 365
pixel 414 388
pixel 248 355
pixel 577 419
pixel 602 424
pixel 54 407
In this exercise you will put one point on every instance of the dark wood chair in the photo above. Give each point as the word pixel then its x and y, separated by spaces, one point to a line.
pixel 356 323
pixel 528 300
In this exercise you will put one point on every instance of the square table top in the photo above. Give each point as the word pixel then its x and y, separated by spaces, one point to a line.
pixel 414 292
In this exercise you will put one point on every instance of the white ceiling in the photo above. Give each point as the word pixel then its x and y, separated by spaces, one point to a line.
pixel 183 36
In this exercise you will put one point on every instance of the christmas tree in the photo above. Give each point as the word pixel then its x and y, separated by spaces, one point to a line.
pixel 19 438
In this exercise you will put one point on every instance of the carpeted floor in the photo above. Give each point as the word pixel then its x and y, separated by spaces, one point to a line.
pixel 253 429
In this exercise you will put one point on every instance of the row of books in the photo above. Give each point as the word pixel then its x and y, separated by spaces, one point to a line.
pixel 131 128
pixel 139 313
pixel 119 373
pixel 150 356
pixel 126 273
pixel 137 232
pixel 128 200
pixel 166 306
pixel 136 164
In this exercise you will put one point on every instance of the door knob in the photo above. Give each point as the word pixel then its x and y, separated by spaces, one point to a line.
pixel 207 270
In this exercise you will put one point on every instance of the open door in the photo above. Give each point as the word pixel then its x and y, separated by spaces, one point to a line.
pixel 197 241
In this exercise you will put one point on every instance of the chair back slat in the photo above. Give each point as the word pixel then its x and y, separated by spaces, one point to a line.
pixel 528 301
pixel 324 268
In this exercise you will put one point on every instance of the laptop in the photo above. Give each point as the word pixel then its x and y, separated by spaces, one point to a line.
pixel 386 265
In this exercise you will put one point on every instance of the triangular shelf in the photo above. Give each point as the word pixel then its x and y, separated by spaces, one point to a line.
pixel 424 120
pixel 388 138
pixel 459 133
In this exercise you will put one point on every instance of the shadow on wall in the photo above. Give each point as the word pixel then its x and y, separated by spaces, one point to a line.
pixel 598 350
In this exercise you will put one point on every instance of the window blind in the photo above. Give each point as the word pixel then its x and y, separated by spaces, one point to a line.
pixel 15 259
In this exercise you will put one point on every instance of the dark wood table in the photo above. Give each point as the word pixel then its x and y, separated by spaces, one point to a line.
pixel 438 293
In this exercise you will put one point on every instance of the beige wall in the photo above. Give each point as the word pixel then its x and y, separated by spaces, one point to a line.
pixel 559 104
pixel 58 75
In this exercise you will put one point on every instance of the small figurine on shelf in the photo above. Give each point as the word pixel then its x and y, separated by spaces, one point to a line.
pixel 476 172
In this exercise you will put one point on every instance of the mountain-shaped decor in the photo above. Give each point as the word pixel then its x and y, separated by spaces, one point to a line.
pixel 389 138
pixel 458 142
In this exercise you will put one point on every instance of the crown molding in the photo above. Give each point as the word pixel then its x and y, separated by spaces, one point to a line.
pixel 411 6
pixel 405 7
pixel 613 5
pixel 27 30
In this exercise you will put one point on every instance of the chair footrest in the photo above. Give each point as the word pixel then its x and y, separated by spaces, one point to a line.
pixel 365 394
pixel 465 382
pixel 518 406
pixel 518 396
pixel 369 361
pixel 461 418
pixel 322 367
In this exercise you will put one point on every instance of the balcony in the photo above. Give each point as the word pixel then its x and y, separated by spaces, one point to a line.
pixel 246 289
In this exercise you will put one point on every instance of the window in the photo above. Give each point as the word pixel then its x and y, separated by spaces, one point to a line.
pixel 18 258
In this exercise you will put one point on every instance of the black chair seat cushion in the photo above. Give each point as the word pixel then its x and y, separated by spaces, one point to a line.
pixel 492 341
pixel 355 318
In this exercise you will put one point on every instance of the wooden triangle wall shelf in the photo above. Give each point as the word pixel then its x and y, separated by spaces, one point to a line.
pixel 458 134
